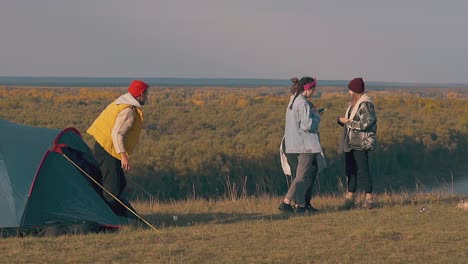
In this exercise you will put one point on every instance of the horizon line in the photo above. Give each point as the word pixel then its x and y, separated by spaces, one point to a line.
pixel 236 78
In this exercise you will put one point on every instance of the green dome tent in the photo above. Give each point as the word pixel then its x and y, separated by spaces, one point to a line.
pixel 39 185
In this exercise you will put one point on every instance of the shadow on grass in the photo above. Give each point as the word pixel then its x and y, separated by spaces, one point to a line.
pixel 165 220
pixel 407 199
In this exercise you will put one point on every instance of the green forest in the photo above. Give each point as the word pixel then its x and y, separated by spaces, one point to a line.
pixel 216 141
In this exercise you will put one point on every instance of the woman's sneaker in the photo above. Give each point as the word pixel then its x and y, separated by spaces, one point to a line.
pixel 287 208
pixel 348 204
pixel 300 210
pixel 310 209
pixel 368 204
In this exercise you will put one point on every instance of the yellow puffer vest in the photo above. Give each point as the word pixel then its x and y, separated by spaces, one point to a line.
pixel 101 129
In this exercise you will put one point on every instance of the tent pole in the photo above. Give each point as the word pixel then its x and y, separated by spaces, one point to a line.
pixel 113 196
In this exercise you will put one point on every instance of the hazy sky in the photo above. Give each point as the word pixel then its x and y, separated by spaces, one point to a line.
pixel 396 41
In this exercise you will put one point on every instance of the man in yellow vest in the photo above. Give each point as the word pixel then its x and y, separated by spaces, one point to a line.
pixel 116 131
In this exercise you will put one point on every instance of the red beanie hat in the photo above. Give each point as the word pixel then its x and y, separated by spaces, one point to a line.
pixel 137 87
pixel 356 85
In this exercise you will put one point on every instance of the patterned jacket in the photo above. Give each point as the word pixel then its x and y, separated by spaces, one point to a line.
pixel 360 131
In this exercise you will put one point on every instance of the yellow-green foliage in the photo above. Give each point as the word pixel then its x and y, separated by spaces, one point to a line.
pixel 195 140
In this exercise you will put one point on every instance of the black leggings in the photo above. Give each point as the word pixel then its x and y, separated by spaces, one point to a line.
pixel 357 166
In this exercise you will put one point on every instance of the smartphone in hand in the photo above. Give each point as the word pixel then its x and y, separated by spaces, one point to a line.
pixel 322 110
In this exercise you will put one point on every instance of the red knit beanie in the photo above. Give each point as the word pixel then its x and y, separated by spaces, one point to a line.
pixel 356 85
pixel 137 87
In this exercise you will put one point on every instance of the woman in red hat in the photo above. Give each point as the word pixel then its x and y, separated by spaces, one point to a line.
pixel 360 128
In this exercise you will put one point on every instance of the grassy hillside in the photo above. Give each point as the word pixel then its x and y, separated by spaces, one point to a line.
pixel 203 141
pixel 251 230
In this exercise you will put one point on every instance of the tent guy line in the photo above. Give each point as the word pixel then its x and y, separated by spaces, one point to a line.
pixel 113 196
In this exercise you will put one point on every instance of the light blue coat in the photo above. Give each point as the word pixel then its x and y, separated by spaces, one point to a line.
pixel 301 129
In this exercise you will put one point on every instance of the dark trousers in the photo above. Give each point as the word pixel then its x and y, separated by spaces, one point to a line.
pixel 304 170
pixel 308 194
pixel 357 167
pixel 113 178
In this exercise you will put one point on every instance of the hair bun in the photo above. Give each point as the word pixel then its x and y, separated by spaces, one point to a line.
pixel 294 80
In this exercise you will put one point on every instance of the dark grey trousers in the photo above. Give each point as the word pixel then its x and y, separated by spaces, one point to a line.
pixel 304 170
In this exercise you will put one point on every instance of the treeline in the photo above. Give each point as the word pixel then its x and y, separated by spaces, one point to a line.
pixel 216 141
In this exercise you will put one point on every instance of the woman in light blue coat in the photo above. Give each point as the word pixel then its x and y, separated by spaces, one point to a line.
pixel 302 144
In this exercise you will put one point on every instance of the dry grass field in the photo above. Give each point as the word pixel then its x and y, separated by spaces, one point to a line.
pixel 252 230
pixel 245 229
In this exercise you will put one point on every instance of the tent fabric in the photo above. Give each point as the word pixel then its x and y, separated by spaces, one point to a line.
pixel 39 185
